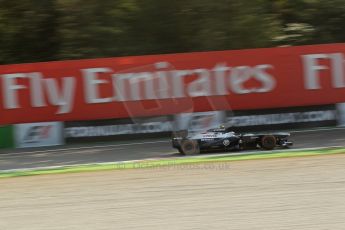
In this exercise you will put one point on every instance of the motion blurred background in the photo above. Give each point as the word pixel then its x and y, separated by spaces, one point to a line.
pixel 46 30
pixel 273 82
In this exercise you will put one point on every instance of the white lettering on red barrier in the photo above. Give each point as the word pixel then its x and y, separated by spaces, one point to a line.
pixel 313 70
pixel 169 84
pixel 136 86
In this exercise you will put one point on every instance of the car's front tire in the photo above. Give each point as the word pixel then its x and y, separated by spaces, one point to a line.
pixel 190 147
pixel 180 150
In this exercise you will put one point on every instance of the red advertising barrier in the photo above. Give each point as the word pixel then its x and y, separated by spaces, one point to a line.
pixel 168 84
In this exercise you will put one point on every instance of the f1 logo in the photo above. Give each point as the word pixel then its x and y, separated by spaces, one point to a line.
pixel 37 133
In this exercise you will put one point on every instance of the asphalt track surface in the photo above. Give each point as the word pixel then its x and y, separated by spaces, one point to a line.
pixel 137 150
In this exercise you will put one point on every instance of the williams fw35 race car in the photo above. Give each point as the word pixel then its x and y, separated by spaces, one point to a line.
pixel 225 140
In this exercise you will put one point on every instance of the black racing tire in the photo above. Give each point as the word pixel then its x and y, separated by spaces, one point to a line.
pixel 190 147
pixel 268 142
pixel 180 150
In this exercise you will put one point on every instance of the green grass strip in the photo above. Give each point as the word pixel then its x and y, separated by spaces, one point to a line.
pixel 172 162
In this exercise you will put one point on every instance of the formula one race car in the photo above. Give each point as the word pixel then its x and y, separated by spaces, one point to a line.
pixel 224 139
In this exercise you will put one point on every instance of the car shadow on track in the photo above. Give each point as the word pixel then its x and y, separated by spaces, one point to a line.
pixel 225 152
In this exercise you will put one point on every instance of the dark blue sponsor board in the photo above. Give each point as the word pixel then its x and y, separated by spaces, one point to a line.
pixel 163 126
pixel 118 129
pixel 282 119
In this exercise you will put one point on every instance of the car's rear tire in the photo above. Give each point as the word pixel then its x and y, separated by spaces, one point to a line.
pixel 190 147
pixel 268 142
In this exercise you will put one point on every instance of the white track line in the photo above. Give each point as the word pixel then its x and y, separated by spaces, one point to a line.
pixel 83 148
pixel 167 158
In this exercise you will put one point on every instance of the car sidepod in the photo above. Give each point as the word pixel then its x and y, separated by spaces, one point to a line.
pixel 229 142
